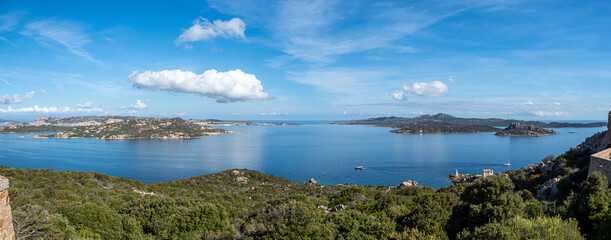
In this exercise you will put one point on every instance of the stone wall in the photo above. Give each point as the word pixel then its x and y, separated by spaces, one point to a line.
pixel 6 218
pixel 601 162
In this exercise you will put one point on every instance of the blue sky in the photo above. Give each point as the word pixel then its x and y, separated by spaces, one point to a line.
pixel 306 59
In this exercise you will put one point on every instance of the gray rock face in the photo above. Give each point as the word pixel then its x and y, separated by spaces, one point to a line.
pixel 608 137
pixel 595 143
pixel 549 190
pixel 338 208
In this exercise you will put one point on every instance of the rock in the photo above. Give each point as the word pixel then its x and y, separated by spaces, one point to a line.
pixel 549 190
pixel 339 208
pixel 312 181
pixel 520 129
pixel 595 143
pixel 408 183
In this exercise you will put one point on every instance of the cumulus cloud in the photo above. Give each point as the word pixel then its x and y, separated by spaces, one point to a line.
pixel 203 30
pixel 398 95
pixel 229 86
pixel 529 103
pixel 139 105
pixel 427 89
pixel 16 99
pixel 85 105
pixel 550 113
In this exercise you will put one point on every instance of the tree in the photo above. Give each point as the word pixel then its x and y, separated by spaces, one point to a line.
pixel 520 228
pixel 485 201
pixel 592 205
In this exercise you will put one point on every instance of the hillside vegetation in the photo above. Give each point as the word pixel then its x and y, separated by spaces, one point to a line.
pixel 246 204
pixel 139 128
pixel 400 122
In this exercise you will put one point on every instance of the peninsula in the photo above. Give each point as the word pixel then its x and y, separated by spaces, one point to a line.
pixel 445 123
pixel 139 128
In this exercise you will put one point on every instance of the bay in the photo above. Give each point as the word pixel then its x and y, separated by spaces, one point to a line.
pixel 325 152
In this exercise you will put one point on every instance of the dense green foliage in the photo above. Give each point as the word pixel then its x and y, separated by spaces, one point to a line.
pixel 32 129
pixel 520 228
pixel 50 204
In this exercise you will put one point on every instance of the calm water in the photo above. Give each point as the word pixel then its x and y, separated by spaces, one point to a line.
pixel 325 152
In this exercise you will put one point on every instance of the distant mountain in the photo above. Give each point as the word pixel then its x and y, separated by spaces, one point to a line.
pixel 137 128
pixel 399 122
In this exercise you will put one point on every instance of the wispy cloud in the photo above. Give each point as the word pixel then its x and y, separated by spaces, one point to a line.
pixel 68 34
pixel 319 31
pixel 9 21
pixel 203 30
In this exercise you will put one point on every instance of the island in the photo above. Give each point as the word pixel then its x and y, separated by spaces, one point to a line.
pixel 442 127
pixel 140 128
pixel 520 129
pixel 445 123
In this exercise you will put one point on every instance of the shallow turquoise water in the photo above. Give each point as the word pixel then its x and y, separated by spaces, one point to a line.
pixel 325 152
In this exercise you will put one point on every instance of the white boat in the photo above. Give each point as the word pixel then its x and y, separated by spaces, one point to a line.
pixel 358 168
pixel 508 163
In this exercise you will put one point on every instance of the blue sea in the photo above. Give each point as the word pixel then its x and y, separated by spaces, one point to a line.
pixel 325 152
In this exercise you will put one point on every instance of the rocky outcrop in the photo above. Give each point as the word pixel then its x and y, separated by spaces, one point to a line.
pixel 608 136
pixel 549 190
pixel 520 129
pixel 595 143
pixel 546 165
pixel 463 178
pixel 408 183
pixel 312 181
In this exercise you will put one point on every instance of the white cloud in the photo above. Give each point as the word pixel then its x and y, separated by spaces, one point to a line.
pixel 427 89
pixel 51 109
pixel 398 95
pixel 233 85
pixel 529 103
pixel 16 99
pixel 550 113
pixel 85 105
pixel 139 105
pixel 69 34
pixel 451 80
pixel 203 30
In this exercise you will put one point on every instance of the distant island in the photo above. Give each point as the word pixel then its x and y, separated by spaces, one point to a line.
pixel 445 123
pixel 519 129
pixel 139 128
pixel 216 122
pixel 442 127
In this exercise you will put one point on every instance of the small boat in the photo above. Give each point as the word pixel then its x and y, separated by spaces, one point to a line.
pixel 508 163
pixel 358 168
